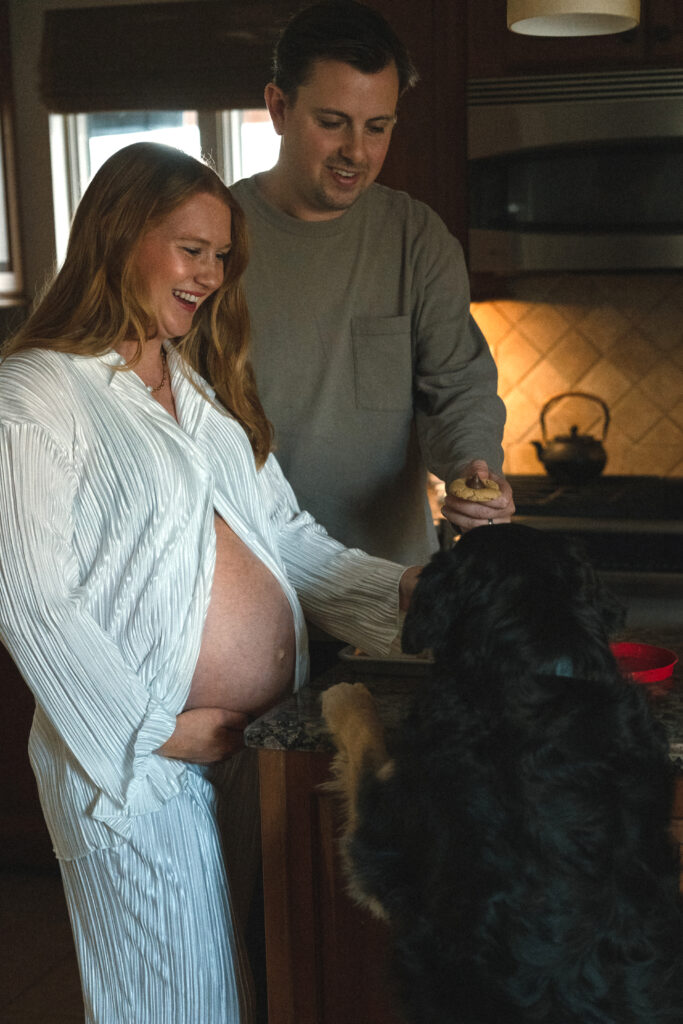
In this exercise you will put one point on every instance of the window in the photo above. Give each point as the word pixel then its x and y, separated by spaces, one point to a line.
pixel 238 142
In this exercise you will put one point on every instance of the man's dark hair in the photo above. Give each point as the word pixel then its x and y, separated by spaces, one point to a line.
pixel 342 30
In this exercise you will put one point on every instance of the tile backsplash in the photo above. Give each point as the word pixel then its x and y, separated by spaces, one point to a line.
pixel 616 336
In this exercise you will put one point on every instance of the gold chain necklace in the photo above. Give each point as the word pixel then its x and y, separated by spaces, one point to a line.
pixel 153 390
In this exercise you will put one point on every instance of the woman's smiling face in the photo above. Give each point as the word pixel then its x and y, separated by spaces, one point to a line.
pixel 180 262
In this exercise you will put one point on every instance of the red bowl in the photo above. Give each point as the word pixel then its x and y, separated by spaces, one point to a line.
pixel 643 662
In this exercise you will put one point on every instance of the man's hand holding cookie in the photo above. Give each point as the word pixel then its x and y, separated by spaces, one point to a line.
pixel 477 497
pixel 474 488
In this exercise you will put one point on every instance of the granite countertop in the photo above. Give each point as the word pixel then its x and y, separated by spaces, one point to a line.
pixel 295 724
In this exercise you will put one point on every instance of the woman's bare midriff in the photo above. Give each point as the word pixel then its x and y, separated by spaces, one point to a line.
pixel 246 658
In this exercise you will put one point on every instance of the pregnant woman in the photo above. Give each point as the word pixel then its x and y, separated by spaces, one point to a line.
pixel 154 574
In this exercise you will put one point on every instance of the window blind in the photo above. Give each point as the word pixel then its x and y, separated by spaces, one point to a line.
pixel 203 55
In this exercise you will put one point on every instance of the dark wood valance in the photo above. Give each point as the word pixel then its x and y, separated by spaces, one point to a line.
pixel 204 55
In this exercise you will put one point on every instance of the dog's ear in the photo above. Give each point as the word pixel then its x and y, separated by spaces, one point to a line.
pixel 432 608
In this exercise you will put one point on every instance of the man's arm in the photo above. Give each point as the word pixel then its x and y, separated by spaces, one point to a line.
pixel 458 413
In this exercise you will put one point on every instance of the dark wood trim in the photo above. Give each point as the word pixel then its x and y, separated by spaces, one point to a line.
pixel 11 277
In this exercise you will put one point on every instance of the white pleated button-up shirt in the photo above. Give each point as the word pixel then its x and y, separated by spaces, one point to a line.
pixel 107 552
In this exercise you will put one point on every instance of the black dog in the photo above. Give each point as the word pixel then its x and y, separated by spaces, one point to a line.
pixel 518 841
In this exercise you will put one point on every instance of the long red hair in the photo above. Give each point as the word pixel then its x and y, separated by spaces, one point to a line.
pixel 94 302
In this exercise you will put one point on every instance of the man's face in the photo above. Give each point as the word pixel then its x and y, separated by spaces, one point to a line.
pixel 335 136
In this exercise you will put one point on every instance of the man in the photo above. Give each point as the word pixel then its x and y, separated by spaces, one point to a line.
pixel 366 358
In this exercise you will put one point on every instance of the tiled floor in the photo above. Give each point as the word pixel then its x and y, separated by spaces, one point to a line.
pixel 38 974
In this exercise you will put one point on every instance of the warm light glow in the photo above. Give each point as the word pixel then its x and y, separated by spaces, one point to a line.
pixel 572 17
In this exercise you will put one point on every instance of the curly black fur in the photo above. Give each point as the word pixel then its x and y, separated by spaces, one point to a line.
pixel 521 846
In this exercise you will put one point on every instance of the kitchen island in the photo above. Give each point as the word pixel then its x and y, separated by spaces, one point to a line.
pixel 326 958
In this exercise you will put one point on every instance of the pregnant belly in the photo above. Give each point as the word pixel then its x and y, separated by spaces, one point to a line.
pixel 246 658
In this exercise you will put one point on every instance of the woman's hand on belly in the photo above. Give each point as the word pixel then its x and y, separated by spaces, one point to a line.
pixel 205 735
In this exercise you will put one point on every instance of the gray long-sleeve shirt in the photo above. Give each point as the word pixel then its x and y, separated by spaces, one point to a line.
pixel 368 363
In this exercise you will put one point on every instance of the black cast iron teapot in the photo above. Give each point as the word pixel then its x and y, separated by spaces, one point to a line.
pixel 572 458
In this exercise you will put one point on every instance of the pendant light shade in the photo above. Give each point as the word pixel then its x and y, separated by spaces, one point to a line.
pixel 572 17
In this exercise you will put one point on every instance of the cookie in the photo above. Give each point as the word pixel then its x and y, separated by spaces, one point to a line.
pixel 474 489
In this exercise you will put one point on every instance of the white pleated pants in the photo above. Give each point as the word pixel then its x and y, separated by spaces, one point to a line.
pixel 156 935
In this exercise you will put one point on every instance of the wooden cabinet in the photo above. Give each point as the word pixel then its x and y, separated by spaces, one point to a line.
pixel 428 153
pixel 326 959
pixel 663 32
pixel 495 51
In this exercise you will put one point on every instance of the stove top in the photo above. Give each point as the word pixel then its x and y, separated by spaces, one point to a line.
pixel 608 497
pixel 625 524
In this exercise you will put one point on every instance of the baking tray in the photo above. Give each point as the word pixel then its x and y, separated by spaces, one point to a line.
pixel 399 664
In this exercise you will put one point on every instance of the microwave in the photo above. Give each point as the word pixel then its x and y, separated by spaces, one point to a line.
pixel 576 172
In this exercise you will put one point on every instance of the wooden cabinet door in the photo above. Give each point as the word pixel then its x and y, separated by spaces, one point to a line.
pixel 663 31
pixel 327 960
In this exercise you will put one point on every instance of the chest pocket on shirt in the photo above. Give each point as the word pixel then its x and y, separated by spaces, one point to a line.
pixel 383 366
